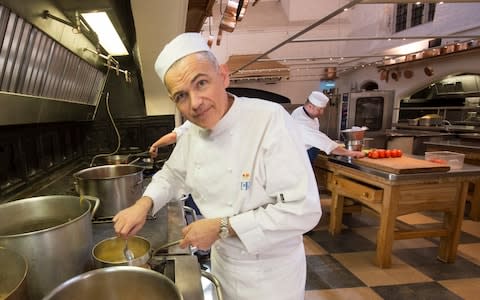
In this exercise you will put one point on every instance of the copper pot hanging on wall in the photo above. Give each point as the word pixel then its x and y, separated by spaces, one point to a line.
pixel 428 71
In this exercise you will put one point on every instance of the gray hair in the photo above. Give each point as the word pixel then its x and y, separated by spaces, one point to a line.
pixel 205 55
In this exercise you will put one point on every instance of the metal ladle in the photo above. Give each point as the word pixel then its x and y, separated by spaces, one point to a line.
pixel 128 253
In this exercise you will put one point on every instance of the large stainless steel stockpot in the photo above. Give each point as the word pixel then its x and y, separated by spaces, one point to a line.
pixel 117 186
pixel 54 234
pixel 13 274
pixel 123 282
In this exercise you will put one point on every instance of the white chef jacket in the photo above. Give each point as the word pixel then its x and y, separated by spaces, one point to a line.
pixel 311 134
pixel 180 130
pixel 254 168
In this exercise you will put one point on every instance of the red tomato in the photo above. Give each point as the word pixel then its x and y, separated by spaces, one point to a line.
pixel 438 161
pixel 388 153
pixel 394 153
pixel 399 153
pixel 374 154
pixel 381 153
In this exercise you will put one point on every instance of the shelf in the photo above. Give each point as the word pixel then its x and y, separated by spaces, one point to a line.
pixel 433 57
pixel 441 108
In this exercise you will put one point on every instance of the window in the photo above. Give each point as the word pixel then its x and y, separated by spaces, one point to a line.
pixel 401 17
pixel 413 14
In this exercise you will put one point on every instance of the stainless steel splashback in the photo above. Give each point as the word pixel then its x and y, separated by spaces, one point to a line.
pixel 22 109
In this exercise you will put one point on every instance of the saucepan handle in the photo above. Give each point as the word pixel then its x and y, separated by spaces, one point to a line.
pixel 216 283
pixel 190 211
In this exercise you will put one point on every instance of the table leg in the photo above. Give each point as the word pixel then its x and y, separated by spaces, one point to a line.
pixel 447 251
pixel 387 226
pixel 336 213
pixel 475 202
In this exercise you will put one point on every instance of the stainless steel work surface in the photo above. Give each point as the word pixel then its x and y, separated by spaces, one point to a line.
pixel 458 143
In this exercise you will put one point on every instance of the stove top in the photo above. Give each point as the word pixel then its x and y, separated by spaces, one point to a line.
pixel 184 271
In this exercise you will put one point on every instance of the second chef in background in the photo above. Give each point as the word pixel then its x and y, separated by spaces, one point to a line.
pixel 306 116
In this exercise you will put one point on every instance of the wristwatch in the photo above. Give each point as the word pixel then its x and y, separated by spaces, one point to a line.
pixel 224 233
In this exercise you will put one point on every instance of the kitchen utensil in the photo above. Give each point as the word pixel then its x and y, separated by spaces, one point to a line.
pixel 428 71
pixel 110 252
pixel 395 75
pixel 165 246
pixel 413 122
pixel 117 186
pixel 402 165
pixel 127 252
pixel 13 275
pixel 114 283
pixel 354 138
pixel 116 159
pixel 53 233
pixel 408 74
pixel 383 74
pixel 430 120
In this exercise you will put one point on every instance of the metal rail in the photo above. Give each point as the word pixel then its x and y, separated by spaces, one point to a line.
pixel 293 37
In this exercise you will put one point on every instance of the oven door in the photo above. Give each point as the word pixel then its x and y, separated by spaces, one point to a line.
pixel 371 109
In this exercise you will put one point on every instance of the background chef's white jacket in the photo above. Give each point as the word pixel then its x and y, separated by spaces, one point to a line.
pixel 310 130
pixel 180 130
pixel 253 167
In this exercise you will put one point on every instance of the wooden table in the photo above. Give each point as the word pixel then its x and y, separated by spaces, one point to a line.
pixel 392 195
pixel 472 156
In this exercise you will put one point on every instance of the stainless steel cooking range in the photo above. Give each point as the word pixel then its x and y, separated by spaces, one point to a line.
pixel 179 265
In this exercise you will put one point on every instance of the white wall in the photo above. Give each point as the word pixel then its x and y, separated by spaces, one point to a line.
pixel 443 66
pixel 362 20
pixel 296 91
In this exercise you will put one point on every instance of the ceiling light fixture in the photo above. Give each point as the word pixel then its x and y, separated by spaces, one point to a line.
pixel 108 37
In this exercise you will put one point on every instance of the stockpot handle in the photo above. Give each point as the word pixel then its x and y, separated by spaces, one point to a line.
pixel 96 203
pixel 190 211
pixel 216 283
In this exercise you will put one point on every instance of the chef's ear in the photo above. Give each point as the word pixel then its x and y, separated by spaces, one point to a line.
pixel 224 72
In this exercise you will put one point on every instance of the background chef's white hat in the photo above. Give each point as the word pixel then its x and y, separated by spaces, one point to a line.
pixel 318 99
pixel 183 45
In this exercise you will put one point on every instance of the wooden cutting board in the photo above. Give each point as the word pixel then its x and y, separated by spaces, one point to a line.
pixel 402 165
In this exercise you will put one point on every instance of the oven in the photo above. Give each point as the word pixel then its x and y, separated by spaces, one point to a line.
pixel 373 109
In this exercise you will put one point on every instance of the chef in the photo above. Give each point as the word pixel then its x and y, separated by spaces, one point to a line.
pixel 168 139
pixel 306 116
pixel 248 172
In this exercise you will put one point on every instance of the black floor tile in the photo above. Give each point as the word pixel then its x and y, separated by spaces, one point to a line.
pixel 325 272
pixel 465 238
pixel 346 241
pixel 355 220
pixel 424 260
pixel 424 291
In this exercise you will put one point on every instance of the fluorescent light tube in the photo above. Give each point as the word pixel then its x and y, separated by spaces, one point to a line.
pixel 107 35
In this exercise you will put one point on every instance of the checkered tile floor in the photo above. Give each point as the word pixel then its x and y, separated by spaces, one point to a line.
pixel 342 267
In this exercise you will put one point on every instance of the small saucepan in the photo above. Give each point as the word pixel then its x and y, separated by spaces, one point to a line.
pixel 413 122
pixel 109 252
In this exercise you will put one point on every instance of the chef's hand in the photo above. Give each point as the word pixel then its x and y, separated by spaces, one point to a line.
pixel 153 151
pixel 358 154
pixel 201 234
pixel 130 220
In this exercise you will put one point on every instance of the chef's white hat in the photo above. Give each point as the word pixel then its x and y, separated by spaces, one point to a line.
pixel 318 99
pixel 183 45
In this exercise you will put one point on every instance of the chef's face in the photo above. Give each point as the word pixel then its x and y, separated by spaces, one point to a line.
pixel 197 86
pixel 315 111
